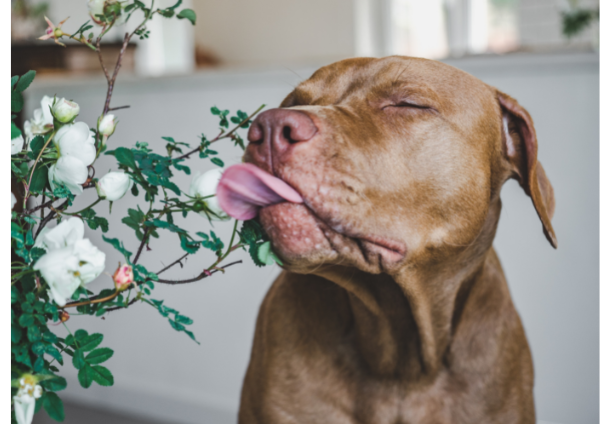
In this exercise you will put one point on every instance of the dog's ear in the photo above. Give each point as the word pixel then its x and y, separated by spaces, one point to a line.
pixel 520 148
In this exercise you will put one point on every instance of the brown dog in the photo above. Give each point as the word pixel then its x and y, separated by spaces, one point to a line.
pixel 393 307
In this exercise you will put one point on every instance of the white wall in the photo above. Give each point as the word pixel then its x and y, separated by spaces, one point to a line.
pixel 161 374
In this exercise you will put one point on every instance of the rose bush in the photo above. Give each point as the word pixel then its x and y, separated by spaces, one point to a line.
pixel 55 267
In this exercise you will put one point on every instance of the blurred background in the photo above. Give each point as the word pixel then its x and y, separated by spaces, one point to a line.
pixel 242 54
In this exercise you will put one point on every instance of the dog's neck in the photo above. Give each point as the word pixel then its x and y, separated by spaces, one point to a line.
pixel 403 323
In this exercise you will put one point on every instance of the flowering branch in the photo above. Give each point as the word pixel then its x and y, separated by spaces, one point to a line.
pixel 228 135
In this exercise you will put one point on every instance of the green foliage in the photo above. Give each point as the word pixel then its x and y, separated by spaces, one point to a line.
pixel 222 114
pixel 93 221
pixel 577 20
pixel 188 14
pixel 53 406
pixel 177 321
pixel 253 236
pixel 18 85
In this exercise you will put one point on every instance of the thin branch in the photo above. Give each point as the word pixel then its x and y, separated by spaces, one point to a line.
pixel 221 136
pixel 101 58
pixel 178 261
pixel 122 307
pixel 118 107
pixel 50 216
pixel 38 207
pixel 198 278
pixel 127 39
pixel 33 169
pixel 144 240
pixel 90 301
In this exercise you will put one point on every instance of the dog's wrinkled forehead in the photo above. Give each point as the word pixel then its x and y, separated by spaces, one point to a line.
pixel 444 87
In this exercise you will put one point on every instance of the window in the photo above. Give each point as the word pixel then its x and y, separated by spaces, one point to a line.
pixel 441 28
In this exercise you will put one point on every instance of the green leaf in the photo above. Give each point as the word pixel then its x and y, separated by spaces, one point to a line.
pixel 38 365
pixel 52 351
pixel 102 376
pixel 14 131
pixel 175 6
pixel 119 246
pixel 55 384
pixel 38 348
pixel 26 320
pixel 188 14
pixel 36 253
pixel 263 253
pixel 39 181
pixel 86 376
pixel 25 81
pixel 81 333
pixel 124 156
pixel 78 361
pixel 90 342
pixel 36 145
pixel 34 334
pixel 16 101
pixel 15 333
pixel 97 356
pixel 54 406
pixel 13 81
pixel 217 162
pixel 184 320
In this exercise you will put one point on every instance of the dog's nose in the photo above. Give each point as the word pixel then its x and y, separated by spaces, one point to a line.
pixel 279 129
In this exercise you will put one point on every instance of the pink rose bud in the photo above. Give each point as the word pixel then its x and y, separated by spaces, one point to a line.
pixel 123 277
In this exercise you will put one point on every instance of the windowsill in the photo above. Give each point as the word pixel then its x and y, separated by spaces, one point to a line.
pixel 506 64
pixel 543 62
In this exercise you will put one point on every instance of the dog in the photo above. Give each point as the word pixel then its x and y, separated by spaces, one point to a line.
pixel 378 184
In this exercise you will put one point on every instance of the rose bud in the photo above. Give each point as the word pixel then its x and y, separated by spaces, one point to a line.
pixel 113 186
pixel 63 316
pixel 64 111
pixel 123 277
pixel 107 125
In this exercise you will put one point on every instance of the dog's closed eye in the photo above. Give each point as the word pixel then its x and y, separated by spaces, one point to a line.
pixel 407 105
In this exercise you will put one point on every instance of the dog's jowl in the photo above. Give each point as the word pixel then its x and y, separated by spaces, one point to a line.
pixel 378 183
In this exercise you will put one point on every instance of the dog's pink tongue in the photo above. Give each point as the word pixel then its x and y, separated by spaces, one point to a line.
pixel 245 188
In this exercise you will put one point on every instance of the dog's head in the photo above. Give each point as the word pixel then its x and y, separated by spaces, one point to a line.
pixel 387 162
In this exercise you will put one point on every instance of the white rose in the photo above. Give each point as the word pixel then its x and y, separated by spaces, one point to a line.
pixel 42 120
pixel 67 233
pixel 113 185
pixel 70 172
pixel 65 110
pixel 91 260
pixel 107 125
pixel 204 185
pixel 16 145
pixel 70 260
pixel 60 269
pixel 13 200
pixel 76 140
pixel 75 146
